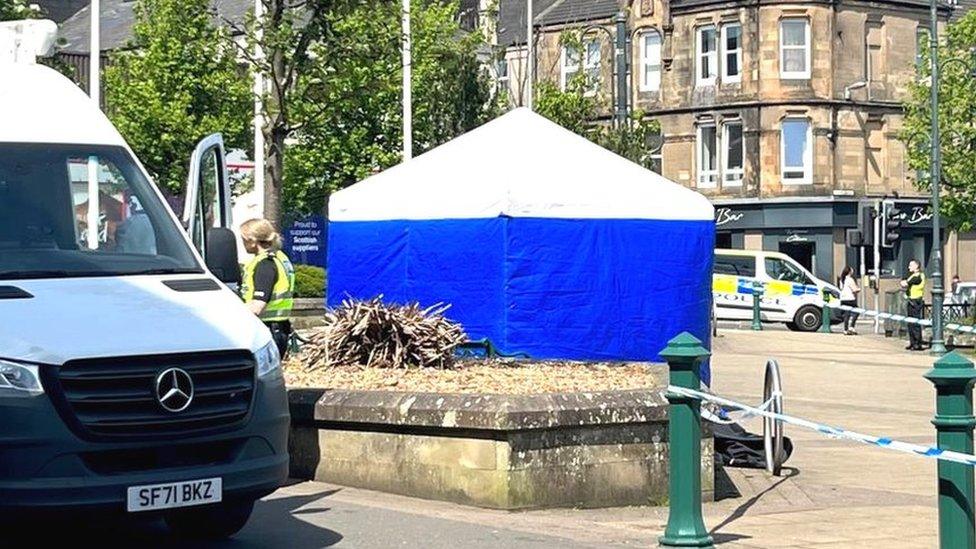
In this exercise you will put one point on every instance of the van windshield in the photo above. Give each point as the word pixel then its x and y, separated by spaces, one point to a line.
pixel 83 210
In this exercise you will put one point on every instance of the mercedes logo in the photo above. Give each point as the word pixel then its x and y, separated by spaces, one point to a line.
pixel 174 390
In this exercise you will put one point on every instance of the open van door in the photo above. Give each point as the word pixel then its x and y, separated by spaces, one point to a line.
pixel 207 210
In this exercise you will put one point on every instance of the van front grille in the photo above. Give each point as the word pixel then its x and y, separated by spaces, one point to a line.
pixel 116 397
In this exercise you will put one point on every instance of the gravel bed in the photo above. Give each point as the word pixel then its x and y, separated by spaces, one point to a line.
pixel 509 377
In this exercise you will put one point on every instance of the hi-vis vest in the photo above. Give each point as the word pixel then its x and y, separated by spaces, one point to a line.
pixel 917 291
pixel 282 295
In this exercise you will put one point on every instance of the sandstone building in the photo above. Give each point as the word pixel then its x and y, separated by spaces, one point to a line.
pixel 785 114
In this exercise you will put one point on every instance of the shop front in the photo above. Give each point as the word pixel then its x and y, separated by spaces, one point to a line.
pixel 809 232
pixel 814 233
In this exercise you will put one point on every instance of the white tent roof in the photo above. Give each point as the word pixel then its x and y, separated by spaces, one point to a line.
pixel 518 165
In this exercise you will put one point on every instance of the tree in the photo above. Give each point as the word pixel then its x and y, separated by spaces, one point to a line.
pixel 12 10
pixel 577 108
pixel 179 82
pixel 957 124
pixel 353 123
pixel 285 34
pixel 578 111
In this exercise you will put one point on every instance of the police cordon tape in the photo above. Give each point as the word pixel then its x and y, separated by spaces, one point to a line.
pixel 724 417
pixel 837 432
pixel 951 326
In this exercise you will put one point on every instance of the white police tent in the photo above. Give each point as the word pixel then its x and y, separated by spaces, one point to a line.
pixel 540 240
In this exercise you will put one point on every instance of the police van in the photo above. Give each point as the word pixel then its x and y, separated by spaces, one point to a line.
pixel 790 294
pixel 132 380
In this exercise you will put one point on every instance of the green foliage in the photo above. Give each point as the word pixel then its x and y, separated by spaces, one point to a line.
pixel 577 108
pixel 350 102
pixel 309 281
pixel 957 110
pixel 571 109
pixel 579 112
pixel 178 83
pixel 12 10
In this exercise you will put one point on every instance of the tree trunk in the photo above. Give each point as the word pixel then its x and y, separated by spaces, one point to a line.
pixel 274 176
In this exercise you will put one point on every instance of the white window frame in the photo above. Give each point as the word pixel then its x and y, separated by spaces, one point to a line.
pixel 807 154
pixel 647 61
pixel 726 170
pixel 712 57
pixel 726 77
pixel 568 71
pixel 707 179
pixel 794 75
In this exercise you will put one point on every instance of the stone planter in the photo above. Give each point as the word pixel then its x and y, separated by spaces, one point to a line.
pixel 504 452
pixel 308 312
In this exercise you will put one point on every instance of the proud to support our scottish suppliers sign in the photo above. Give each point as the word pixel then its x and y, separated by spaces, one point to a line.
pixel 304 241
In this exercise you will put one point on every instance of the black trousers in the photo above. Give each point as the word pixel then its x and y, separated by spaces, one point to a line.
pixel 850 318
pixel 915 330
pixel 280 333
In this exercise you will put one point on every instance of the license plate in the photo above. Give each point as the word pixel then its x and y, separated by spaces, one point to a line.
pixel 174 494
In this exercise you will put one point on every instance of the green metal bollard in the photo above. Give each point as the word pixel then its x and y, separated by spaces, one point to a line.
pixel 953 377
pixel 825 314
pixel 686 528
pixel 757 292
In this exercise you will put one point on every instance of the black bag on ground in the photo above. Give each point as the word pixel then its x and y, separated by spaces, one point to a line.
pixel 736 447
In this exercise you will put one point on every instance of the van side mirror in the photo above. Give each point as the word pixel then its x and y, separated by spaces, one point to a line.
pixel 222 255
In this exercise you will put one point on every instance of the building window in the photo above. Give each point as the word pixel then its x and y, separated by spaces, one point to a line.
pixel 573 62
pixel 707 155
pixel 657 162
pixel 650 61
pixel 794 40
pixel 707 48
pixel 732 56
pixel 796 151
pixel 733 153
pixel 502 80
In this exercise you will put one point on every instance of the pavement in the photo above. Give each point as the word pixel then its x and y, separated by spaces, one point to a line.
pixel 833 494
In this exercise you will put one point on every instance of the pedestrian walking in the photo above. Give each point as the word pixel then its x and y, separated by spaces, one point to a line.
pixel 849 291
pixel 268 287
pixel 914 285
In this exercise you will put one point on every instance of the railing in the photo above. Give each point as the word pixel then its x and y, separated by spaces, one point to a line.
pixel 953 376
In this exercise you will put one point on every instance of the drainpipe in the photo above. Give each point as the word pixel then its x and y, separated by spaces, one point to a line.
pixel 620 56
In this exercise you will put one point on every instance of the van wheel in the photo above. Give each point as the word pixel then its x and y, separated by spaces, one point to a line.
pixel 214 522
pixel 791 326
pixel 807 319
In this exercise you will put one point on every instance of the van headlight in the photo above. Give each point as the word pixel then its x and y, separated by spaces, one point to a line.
pixel 20 378
pixel 269 363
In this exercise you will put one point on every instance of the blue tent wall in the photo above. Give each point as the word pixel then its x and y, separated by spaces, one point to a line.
pixel 460 262
pixel 575 289
pixel 607 289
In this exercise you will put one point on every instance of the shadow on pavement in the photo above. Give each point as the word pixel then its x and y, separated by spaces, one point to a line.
pixel 275 523
pixel 740 511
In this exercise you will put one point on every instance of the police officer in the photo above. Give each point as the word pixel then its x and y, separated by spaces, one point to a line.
pixel 268 287
pixel 914 285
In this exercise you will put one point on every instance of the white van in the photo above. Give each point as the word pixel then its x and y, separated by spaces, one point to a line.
pixel 132 380
pixel 791 294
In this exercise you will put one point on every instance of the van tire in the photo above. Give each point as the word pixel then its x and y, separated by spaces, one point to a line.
pixel 791 326
pixel 213 522
pixel 807 319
